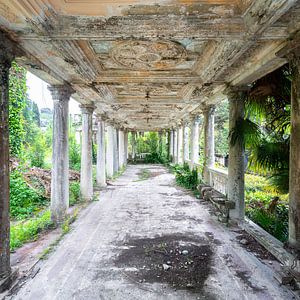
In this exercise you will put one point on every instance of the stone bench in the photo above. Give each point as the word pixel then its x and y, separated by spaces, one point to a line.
pixel 219 200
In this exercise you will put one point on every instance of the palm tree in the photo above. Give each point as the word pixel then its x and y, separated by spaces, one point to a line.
pixel 265 130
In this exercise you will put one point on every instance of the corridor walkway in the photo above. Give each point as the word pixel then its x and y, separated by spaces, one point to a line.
pixel 147 239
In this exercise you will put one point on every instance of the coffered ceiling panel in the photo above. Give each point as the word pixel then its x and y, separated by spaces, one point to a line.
pixel 150 64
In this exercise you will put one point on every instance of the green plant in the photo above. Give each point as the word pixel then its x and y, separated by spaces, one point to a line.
pixel 17 103
pixel 23 232
pixel 74 193
pixel 24 201
pixel 74 152
pixel 37 148
pixel 144 174
pixel 185 177
pixel 266 207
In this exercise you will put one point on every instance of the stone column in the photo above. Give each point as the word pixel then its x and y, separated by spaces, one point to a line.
pixel 186 154
pixel 110 151
pixel 60 153
pixel 294 173
pixel 86 170
pixel 125 147
pixel 6 58
pixel 175 158
pixel 209 142
pixel 121 148
pixel 179 145
pixel 195 140
pixel 116 150
pixel 171 137
pixel 236 165
pixel 101 168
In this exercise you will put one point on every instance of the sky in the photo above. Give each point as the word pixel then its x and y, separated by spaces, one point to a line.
pixel 39 93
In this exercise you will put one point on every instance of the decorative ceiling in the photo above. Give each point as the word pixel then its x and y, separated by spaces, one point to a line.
pixel 148 65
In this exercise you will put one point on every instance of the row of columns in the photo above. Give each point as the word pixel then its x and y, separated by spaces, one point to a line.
pixel 179 148
pixel 109 159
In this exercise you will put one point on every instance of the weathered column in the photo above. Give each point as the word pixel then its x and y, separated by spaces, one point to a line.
pixel 110 151
pixel 101 166
pixel 171 137
pixel 236 167
pixel 60 153
pixel 209 142
pixel 116 150
pixel 121 148
pixel 125 147
pixel 179 145
pixel 175 157
pixel 86 169
pixel 294 172
pixel 194 140
pixel 6 57
pixel 186 154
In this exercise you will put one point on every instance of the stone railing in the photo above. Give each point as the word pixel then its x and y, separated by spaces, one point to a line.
pixel 218 179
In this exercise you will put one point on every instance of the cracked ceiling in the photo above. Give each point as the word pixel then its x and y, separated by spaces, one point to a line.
pixel 150 66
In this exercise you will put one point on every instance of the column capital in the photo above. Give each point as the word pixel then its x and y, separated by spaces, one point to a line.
pixel 194 118
pixel 236 92
pixel 87 108
pixel 61 92
pixel 209 108
pixel 102 117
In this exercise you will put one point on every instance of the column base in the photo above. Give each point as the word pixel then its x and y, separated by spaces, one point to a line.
pixel 101 185
pixel 7 282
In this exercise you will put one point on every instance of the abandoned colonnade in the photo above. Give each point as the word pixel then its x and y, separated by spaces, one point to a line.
pixel 113 157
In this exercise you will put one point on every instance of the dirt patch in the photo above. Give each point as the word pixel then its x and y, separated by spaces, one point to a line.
pixel 250 244
pixel 182 262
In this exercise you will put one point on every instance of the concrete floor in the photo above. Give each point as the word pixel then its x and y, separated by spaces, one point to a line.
pixel 83 265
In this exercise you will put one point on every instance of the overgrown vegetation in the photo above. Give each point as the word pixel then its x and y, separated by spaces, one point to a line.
pixel 153 144
pixel 29 230
pixel 144 174
pixel 24 201
pixel 185 177
pixel 265 133
pixel 30 150
pixel 266 207
pixel 74 197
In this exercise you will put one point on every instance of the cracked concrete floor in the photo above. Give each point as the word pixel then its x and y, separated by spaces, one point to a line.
pixel 84 264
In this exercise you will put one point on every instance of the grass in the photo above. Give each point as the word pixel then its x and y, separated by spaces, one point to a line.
pixel 65 229
pixel 144 174
pixel 28 231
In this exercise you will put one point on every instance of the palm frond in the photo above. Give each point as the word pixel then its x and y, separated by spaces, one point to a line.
pixel 270 156
pixel 245 133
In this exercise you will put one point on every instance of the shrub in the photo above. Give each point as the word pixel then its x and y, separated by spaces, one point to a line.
pixel 259 197
pixel 74 193
pixel 74 153
pixel 275 223
pixel 29 230
pixel 155 158
pixel 24 201
pixel 185 177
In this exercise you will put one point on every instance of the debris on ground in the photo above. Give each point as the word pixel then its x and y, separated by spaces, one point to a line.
pixel 252 245
pixel 182 262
